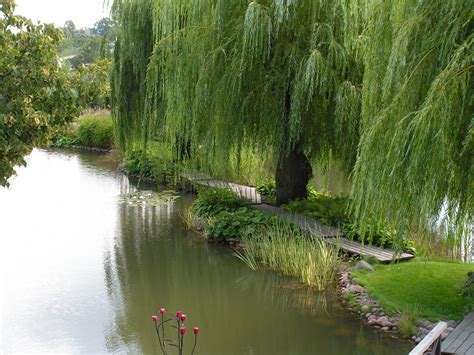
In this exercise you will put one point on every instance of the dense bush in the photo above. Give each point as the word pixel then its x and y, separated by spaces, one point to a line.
pixel 268 192
pixel 328 210
pixel 153 164
pixel 96 131
pixel 239 223
pixel 227 215
pixel 211 202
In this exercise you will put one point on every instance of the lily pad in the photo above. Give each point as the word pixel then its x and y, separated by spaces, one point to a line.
pixel 149 198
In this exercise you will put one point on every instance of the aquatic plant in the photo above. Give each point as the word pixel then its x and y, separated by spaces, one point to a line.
pixel 286 249
pixel 180 318
pixel 148 198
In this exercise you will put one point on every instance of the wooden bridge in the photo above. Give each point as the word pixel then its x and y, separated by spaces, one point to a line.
pixel 308 224
pixel 461 340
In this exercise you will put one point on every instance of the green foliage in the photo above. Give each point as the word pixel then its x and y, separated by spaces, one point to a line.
pixel 426 289
pixel 283 247
pixel 35 93
pixel 92 84
pixel 96 131
pixel 268 192
pixel 155 164
pixel 468 288
pixel 211 202
pixel 238 223
pixel 415 158
pixel 224 76
pixel 328 210
pixel 64 141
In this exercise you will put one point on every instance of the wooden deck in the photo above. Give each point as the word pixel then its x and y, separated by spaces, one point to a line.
pixel 461 340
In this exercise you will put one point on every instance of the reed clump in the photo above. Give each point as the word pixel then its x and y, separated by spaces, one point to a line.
pixel 284 248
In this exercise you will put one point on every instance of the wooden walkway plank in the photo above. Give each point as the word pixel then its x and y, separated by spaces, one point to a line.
pixel 461 340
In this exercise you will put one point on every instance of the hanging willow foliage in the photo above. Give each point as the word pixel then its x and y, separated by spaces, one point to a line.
pixel 416 152
pixel 223 75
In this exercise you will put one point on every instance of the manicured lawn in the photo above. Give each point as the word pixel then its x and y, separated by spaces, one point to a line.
pixel 428 289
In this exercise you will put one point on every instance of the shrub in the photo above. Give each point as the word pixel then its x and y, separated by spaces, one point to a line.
pixel 268 192
pixel 96 131
pixel 211 202
pixel 239 223
pixel 327 209
pixel 154 164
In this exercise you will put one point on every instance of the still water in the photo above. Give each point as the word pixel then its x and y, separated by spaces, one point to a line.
pixel 81 272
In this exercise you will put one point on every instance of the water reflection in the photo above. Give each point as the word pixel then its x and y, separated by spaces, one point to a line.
pixel 88 271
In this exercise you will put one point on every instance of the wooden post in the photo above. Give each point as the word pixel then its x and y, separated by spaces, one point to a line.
pixel 432 338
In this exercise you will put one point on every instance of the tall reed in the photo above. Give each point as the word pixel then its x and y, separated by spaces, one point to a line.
pixel 285 249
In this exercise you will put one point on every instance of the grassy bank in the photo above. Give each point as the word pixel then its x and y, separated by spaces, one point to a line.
pixel 424 289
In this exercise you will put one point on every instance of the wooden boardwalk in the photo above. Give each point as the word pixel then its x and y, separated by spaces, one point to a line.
pixel 308 224
pixel 461 340
pixel 247 192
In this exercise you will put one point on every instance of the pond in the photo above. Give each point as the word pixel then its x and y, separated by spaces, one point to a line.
pixel 81 271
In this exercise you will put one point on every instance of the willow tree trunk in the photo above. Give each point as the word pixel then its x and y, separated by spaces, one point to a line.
pixel 292 176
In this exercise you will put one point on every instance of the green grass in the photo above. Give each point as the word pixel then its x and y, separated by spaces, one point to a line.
pixel 427 289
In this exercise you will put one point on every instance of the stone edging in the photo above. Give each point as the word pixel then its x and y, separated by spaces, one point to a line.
pixel 373 313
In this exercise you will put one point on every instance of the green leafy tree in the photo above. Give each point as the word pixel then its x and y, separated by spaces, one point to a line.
pixel 103 27
pixel 415 158
pixel 277 75
pixel 92 84
pixel 35 94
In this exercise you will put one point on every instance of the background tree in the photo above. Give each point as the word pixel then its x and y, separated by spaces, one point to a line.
pixel 272 75
pixel 34 92
pixel 415 159
pixel 102 27
pixel 92 84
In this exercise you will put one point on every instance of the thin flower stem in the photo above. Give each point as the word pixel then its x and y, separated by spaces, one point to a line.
pixel 159 339
pixel 195 343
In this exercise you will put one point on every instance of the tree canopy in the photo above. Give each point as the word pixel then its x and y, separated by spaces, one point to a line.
pixel 383 87
pixel 276 76
pixel 35 94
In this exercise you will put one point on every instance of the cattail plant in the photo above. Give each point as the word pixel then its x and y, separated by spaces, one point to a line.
pixel 180 318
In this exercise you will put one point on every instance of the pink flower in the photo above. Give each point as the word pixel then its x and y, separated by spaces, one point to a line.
pixel 182 330
pixel 183 317
pixel 154 318
pixel 179 314
pixel 196 330
pixel 162 310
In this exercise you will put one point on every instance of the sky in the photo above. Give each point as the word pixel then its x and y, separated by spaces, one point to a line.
pixel 84 13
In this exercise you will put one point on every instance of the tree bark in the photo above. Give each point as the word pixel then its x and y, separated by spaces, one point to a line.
pixel 292 176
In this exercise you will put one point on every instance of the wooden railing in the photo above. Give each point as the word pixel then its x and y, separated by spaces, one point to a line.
pixel 431 340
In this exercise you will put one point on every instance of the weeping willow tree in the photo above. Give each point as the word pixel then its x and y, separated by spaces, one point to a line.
pixel 212 77
pixel 415 159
